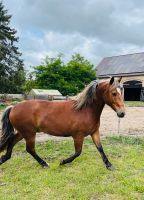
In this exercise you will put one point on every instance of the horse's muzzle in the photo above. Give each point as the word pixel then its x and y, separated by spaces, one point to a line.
pixel 120 114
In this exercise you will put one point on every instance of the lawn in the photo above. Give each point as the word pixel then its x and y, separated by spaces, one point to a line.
pixel 86 178
pixel 2 107
pixel 134 103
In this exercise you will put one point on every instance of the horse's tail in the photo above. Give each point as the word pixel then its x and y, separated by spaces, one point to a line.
pixel 7 129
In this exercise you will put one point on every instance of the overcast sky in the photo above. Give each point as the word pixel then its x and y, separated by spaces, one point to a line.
pixel 93 28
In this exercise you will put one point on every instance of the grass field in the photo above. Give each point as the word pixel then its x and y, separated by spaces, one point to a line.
pixel 21 178
pixel 2 107
pixel 134 103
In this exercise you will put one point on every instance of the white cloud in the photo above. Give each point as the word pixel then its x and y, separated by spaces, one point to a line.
pixel 94 28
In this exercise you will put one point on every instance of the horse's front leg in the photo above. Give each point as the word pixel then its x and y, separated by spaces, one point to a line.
pixel 96 140
pixel 78 142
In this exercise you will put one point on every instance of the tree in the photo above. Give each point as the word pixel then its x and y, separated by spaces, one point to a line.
pixel 49 74
pixel 30 83
pixel 79 73
pixel 12 74
pixel 68 78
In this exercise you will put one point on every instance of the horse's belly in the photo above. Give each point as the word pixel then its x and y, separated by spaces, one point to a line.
pixel 68 124
pixel 55 129
pixel 59 134
pixel 66 129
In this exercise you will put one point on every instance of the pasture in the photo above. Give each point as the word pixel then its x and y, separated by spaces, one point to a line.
pixel 86 178
pixel 2 107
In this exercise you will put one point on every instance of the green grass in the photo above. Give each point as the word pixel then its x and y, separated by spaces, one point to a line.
pixel 134 103
pixel 21 178
pixel 2 107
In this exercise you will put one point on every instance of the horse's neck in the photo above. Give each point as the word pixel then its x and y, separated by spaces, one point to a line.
pixel 99 102
pixel 97 107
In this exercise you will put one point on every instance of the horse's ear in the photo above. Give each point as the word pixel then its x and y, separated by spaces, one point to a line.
pixel 111 81
pixel 120 78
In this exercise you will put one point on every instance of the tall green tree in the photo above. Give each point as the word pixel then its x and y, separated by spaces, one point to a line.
pixel 68 78
pixel 12 74
pixel 79 72
pixel 49 74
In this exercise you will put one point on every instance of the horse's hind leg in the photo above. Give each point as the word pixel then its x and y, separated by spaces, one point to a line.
pixel 96 140
pixel 15 139
pixel 30 147
pixel 78 142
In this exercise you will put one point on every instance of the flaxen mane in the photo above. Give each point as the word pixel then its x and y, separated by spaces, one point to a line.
pixel 86 97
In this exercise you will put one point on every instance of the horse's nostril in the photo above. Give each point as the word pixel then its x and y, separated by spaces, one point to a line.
pixel 121 114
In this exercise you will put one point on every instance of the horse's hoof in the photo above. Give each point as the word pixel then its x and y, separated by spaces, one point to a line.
pixel 1 162
pixel 46 167
pixel 62 162
pixel 111 168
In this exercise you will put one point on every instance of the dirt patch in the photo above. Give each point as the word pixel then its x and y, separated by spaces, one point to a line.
pixel 132 124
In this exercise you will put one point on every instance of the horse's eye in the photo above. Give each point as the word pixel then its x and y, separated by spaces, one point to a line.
pixel 114 93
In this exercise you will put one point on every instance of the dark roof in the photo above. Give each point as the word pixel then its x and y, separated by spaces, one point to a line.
pixel 130 64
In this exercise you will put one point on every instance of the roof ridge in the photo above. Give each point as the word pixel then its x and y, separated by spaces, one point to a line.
pixel 121 64
pixel 123 55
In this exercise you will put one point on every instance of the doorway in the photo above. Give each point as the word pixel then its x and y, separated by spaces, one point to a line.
pixel 132 90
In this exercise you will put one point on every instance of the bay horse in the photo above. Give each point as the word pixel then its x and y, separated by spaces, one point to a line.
pixel 77 117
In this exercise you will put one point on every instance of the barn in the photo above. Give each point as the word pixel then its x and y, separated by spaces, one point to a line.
pixel 131 68
pixel 44 94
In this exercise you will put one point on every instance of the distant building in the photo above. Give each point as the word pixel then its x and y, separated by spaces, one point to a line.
pixel 131 68
pixel 45 94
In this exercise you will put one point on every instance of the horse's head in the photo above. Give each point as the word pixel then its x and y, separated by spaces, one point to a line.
pixel 113 96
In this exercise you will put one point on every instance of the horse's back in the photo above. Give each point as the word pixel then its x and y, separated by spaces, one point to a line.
pixel 40 114
pixel 52 117
pixel 31 107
